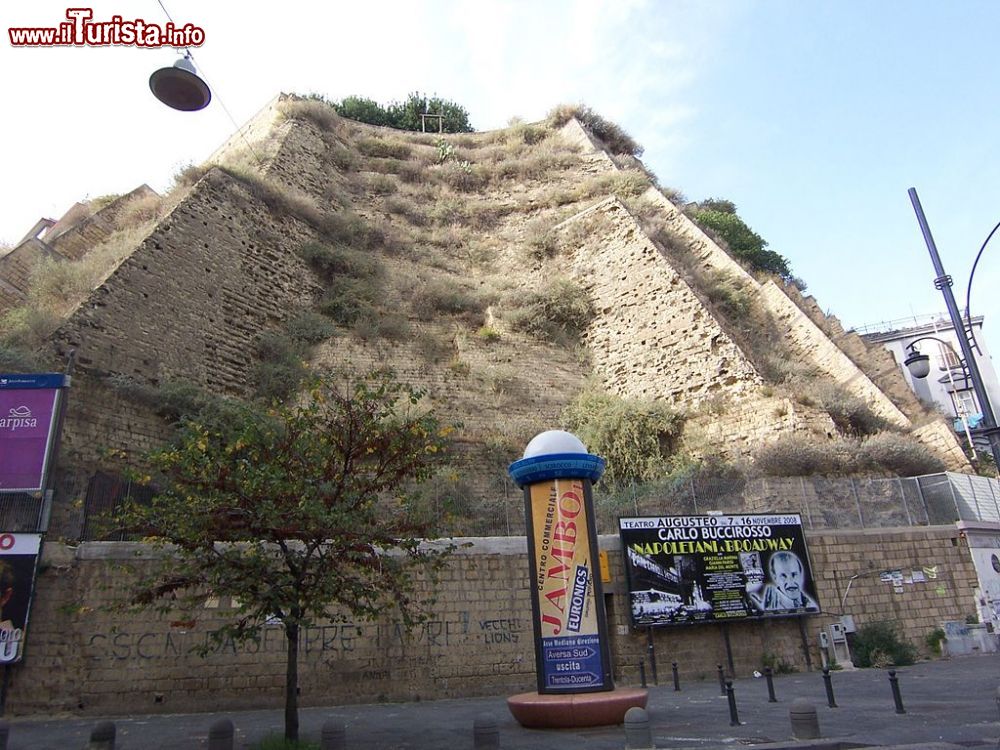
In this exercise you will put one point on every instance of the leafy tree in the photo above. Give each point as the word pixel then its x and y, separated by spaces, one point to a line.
pixel 298 512
pixel 720 216
pixel 362 109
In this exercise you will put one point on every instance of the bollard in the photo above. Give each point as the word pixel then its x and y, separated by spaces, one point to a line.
pixel 805 722
pixel 333 735
pixel 642 672
pixel 734 717
pixel 677 679
pixel 897 698
pixel 828 681
pixel 102 736
pixel 722 680
pixel 485 733
pixel 4 734
pixel 220 735
pixel 638 735
pixel 769 674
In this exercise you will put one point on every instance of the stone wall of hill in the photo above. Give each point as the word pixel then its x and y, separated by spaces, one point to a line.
pixel 85 659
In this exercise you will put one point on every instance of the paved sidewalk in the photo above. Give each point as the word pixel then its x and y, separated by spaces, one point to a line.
pixel 950 701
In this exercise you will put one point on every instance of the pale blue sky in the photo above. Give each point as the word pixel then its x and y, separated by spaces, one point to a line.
pixel 814 117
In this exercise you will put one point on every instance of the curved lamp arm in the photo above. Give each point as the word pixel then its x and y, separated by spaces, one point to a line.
pixel 919 364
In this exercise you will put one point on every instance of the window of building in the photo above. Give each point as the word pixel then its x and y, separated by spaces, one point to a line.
pixel 965 403
pixel 948 360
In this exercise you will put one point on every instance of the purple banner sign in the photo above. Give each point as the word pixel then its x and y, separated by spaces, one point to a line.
pixel 27 420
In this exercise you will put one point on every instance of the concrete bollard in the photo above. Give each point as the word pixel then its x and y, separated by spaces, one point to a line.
pixel 4 734
pixel 638 735
pixel 805 722
pixel 485 733
pixel 221 734
pixel 102 736
pixel 333 735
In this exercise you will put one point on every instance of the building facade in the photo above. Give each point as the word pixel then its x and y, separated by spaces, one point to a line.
pixel 948 386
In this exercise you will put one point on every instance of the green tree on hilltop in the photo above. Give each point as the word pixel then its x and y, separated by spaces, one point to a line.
pixel 404 115
pixel 298 512
pixel 746 245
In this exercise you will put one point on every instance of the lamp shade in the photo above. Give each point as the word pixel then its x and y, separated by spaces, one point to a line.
pixel 918 364
pixel 180 87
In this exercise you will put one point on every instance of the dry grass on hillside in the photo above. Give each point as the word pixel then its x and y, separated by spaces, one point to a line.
pixel 58 287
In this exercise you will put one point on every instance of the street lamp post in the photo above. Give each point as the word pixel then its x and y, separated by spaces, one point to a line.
pixel 943 282
pixel 919 366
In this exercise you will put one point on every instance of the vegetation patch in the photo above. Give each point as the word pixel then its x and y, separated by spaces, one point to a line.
pixel 613 136
pixel 558 312
pixel 882 644
pixel 744 244
pixel 445 296
pixel 636 437
pixel 884 453
pixel 404 115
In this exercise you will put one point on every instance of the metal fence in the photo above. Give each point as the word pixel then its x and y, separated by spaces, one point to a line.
pixel 494 506
pixel 824 503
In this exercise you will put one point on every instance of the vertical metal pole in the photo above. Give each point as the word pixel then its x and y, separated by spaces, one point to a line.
pixel 993 493
pixel 677 678
pixel 734 717
pixel 828 682
pixel 975 499
pixel 943 283
pixel 729 649
pixel 902 496
pixel 805 643
pixel 805 501
pixel 642 672
pixel 651 648
pixel 923 500
pixel 506 503
pixel 722 680
pixel 769 674
pixel 954 497
pixel 897 698
pixel 857 502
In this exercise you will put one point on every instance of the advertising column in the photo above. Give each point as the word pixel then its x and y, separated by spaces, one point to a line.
pixel 570 629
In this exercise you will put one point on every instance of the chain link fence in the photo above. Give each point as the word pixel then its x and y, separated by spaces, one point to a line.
pixel 494 505
pixel 823 503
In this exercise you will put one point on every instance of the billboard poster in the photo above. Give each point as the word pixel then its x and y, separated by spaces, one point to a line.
pixel 716 568
pixel 18 557
pixel 563 564
pixel 28 421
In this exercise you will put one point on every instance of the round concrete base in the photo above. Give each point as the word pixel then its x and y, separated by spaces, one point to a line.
pixel 537 711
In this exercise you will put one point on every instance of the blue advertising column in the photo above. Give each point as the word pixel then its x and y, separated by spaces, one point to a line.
pixel 570 628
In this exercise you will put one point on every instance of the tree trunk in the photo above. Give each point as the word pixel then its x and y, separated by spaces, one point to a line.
pixel 292 683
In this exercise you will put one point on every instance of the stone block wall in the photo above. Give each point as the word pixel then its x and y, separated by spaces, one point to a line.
pixel 189 302
pixel 82 658
pixel 652 337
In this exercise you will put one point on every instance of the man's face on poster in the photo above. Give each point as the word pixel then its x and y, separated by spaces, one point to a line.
pixel 786 573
